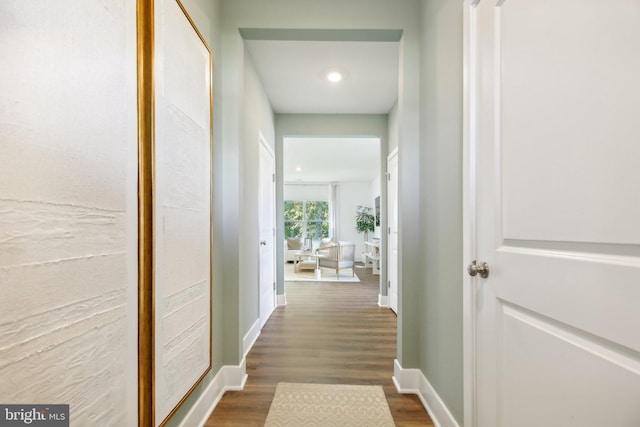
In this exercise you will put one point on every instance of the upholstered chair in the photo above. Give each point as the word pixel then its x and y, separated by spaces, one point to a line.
pixel 339 257
pixel 292 247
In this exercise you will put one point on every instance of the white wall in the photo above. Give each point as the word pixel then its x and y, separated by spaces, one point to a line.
pixel 306 192
pixel 349 196
pixel 393 128
pixel 68 208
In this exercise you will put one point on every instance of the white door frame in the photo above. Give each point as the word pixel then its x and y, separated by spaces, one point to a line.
pixel 468 213
pixel 393 154
pixel 264 145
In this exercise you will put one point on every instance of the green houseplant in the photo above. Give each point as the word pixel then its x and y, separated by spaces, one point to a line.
pixel 365 221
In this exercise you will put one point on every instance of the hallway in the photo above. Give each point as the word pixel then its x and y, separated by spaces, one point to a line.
pixel 330 333
pixel 122 267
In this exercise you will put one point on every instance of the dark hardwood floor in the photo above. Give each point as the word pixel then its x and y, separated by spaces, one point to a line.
pixel 332 333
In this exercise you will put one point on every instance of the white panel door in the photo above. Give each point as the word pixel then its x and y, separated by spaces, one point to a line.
pixel 266 206
pixel 555 103
pixel 392 223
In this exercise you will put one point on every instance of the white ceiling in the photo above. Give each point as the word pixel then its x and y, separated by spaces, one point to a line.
pixel 331 159
pixel 293 75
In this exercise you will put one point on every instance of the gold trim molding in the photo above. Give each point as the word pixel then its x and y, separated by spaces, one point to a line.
pixel 146 126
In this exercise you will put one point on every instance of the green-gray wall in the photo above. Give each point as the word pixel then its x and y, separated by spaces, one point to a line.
pixel 441 194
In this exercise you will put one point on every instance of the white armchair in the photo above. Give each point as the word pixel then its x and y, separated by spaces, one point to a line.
pixel 291 248
pixel 296 245
pixel 340 256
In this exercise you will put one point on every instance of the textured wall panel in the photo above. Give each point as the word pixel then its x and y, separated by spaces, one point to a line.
pixel 42 231
pixel 182 207
pixel 66 217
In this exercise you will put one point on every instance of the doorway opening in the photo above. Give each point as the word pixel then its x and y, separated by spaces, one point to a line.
pixel 326 180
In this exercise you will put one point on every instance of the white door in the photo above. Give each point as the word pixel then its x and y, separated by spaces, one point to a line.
pixel 392 223
pixel 554 120
pixel 266 204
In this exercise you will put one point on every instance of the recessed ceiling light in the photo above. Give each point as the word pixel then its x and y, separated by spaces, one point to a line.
pixel 334 76
pixel 298 169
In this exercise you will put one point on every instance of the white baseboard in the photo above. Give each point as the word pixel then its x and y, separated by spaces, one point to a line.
pixel 383 300
pixel 413 381
pixel 228 378
pixel 251 337
pixel 282 299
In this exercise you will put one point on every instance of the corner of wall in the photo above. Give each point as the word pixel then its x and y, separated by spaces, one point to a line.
pixel 413 381
pixel 227 378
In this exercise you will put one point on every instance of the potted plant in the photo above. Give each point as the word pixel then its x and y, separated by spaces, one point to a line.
pixel 365 221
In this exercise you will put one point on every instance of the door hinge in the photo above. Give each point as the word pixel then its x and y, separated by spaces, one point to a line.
pixel 274 286
pixel 388 176
pixel 389 284
pixel 389 230
pixel 273 177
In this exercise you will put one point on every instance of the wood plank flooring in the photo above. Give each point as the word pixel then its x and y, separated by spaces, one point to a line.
pixel 332 333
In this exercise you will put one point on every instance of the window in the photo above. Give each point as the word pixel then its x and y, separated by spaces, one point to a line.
pixel 306 219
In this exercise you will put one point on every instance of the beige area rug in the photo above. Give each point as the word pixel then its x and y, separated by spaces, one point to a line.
pixel 327 405
pixel 326 275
